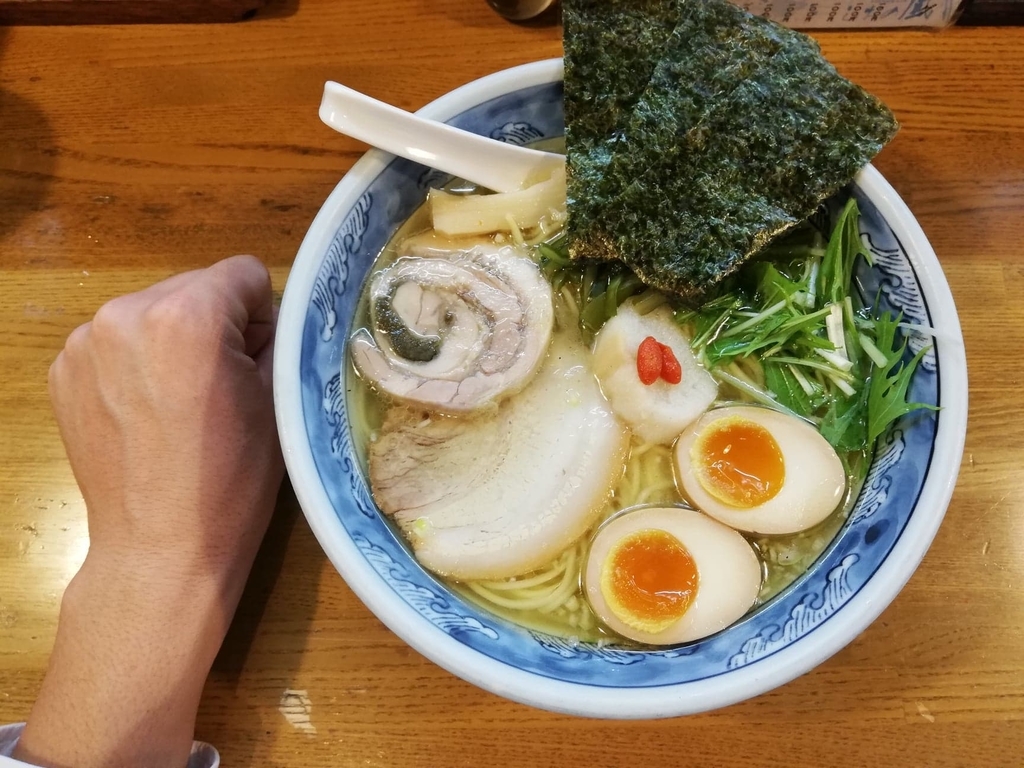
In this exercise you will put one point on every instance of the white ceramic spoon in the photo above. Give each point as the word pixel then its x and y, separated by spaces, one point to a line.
pixel 489 163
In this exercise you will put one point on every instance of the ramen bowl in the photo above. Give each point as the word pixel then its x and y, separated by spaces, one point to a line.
pixel 883 540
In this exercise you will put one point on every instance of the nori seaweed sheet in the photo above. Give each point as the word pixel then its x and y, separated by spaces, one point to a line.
pixel 740 133
pixel 611 50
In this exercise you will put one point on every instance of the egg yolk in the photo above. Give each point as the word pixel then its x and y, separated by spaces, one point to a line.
pixel 649 580
pixel 738 462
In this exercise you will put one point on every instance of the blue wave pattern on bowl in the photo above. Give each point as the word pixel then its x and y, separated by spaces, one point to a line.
pixel 876 522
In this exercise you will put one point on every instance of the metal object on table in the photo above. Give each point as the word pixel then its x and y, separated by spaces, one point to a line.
pixel 521 10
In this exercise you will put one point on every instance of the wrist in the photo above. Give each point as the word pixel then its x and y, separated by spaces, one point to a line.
pixel 135 641
pixel 183 610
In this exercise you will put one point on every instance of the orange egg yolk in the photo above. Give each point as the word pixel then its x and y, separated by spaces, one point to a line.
pixel 738 462
pixel 649 580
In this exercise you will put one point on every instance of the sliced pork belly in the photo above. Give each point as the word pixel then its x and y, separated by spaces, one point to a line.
pixel 502 493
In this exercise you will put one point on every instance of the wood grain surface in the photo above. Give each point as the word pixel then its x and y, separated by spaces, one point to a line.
pixel 131 153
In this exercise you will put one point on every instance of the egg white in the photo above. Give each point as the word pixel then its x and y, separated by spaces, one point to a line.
pixel 814 484
pixel 728 572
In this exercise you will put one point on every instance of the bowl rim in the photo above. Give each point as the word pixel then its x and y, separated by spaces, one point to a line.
pixel 576 698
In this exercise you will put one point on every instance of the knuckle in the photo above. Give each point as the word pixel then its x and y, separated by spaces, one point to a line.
pixel 248 262
pixel 54 376
pixel 61 373
pixel 75 344
pixel 60 388
pixel 238 275
pixel 112 319
pixel 180 313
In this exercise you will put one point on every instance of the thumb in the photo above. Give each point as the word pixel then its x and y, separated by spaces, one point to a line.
pixel 264 352
pixel 243 283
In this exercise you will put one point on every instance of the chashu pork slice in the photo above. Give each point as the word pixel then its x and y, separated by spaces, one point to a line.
pixel 455 332
pixel 504 493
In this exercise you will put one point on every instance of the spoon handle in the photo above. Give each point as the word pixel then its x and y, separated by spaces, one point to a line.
pixel 486 162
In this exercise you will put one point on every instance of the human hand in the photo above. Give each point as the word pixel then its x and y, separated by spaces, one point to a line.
pixel 165 406
pixel 164 403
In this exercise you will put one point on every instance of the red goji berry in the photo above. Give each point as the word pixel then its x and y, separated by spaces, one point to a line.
pixel 649 359
pixel 671 370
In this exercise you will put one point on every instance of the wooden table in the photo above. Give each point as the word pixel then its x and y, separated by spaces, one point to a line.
pixel 131 153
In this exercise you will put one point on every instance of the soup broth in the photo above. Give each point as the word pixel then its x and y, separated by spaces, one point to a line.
pixel 552 599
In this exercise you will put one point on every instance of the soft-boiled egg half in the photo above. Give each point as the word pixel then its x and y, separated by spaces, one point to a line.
pixel 667 575
pixel 759 470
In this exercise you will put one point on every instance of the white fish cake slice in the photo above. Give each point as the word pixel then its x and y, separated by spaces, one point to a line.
pixel 657 412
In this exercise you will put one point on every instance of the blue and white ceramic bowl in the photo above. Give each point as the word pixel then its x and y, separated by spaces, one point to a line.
pixel 888 532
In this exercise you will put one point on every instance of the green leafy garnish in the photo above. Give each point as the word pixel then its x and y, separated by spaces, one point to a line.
pixel 844 246
pixel 789 331
pixel 596 289
pixel 783 383
pixel 844 424
pixel 887 393
pixel 822 355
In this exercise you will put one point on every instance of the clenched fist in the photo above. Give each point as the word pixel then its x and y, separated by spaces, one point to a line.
pixel 165 406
